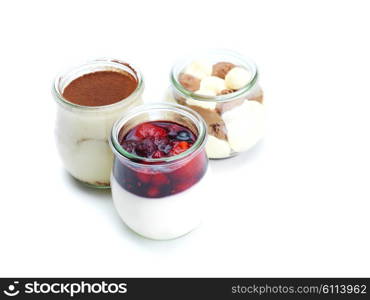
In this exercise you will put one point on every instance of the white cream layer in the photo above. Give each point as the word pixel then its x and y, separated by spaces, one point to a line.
pixel 162 218
pixel 82 141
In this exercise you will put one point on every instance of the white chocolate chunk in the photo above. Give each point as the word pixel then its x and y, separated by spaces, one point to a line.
pixel 206 92
pixel 217 148
pixel 202 104
pixel 237 78
pixel 199 69
pixel 245 125
pixel 213 83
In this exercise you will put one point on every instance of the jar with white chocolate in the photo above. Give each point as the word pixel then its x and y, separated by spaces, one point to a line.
pixel 222 86
pixel 90 99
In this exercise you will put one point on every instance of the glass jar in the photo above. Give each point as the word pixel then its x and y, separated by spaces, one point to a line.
pixel 82 132
pixel 235 118
pixel 159 198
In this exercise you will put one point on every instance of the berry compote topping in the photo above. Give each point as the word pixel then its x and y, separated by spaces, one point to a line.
pixel 159 179
pixel 158 139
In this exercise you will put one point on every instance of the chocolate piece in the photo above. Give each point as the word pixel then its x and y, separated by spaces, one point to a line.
pixel 216 125
pixel 221 69
pixel 189 82
pixel 226 91
pixel 218 130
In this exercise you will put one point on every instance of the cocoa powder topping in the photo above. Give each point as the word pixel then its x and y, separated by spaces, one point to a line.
pixel 100 88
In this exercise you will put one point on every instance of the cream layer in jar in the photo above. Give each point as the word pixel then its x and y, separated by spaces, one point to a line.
pixel 90 99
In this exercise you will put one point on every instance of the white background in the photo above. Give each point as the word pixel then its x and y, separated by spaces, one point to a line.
pixel 296 205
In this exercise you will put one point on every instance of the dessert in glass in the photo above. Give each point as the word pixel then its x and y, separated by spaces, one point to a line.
pixel 222 86
pixel 90 99
pixel 160 166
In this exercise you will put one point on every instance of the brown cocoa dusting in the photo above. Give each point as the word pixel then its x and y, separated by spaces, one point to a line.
pixel 221 69
pixel 100 88
pixel 216 125
pixel 189 82
pixel 218 130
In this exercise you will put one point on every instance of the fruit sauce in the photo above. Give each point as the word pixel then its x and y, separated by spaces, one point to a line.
pixel 156 140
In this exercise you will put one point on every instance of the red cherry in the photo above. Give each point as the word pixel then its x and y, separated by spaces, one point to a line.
pixel 158 139
pixel 149 130
pixel 184 145
pixel 191 170
pixel 160 179
pixel 144 177
pixel 186 172
pixel 179 147
pixel 157 154
pixel 153 192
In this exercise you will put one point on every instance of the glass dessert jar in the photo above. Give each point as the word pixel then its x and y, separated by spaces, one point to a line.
pixel 99 96
pixel 222 86
pixel 158 198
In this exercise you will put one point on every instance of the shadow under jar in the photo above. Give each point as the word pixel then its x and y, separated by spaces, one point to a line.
pixel 90 99
pixel 158 198
pixel 222 86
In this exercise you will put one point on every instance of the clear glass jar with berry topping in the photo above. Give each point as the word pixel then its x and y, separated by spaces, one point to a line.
pixel 160 166
pixel 222 86
pixel 90 98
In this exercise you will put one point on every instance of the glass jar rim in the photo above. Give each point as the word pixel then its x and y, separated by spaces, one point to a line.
pixel 108 62
pixel 220 98
pixel 145 108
